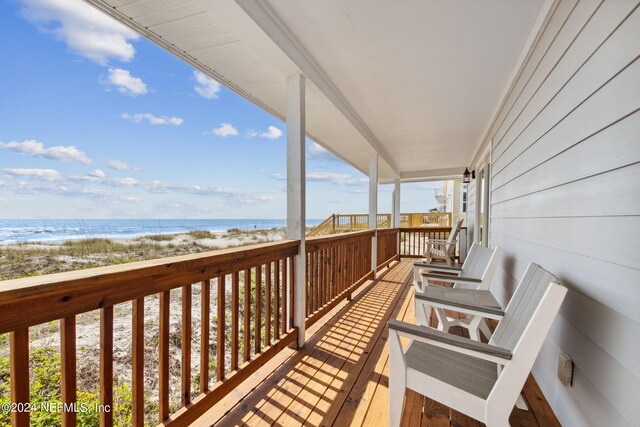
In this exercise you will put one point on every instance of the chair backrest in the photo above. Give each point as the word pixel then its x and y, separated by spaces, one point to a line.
pixel 523 329
pixel 481 263
pixel 455 230
pixel 525 301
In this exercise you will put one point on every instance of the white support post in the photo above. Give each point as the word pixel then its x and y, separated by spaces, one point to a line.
pixel 396 211
pixel 396 204
pixel 296 194
pixel 373 209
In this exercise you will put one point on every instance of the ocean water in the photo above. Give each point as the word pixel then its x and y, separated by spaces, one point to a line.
pixel 59 230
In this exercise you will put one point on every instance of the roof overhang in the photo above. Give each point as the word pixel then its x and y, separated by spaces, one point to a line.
pixel 417 82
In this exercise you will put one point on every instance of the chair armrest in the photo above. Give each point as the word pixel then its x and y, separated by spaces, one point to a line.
pixel 451 342
pixel 468 301
pixel 452 279
pixel 437 267
pixel 436 240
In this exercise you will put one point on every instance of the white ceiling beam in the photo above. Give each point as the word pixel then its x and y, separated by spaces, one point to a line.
pixel 273 26
pixel 432 174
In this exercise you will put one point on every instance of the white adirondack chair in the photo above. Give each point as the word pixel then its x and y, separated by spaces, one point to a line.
pixel 477 273
pixel 442 250
pixel 420 266
pixel 480 380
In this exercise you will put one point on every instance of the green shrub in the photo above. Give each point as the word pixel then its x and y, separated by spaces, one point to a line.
pixel 44 384
pixel 201 234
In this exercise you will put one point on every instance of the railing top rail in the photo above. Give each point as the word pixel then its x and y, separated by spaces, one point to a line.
pixel 427 228
pixel 34 300
pixel 387 230
pixel 335 237
pixel 425 213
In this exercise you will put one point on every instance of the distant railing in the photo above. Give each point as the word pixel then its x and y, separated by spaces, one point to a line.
pixel 336 265
pixel 341 223
pixel 412 240
pixel 429 219
pixel 256 276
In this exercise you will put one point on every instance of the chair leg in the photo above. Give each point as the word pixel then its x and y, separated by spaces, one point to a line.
pixel 474 327
pixel 397 380
pixel 422 312
pixel 484 328
pixel 443 320
pixel 500 420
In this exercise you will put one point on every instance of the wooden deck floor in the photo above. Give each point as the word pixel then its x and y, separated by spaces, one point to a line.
pixel 341 376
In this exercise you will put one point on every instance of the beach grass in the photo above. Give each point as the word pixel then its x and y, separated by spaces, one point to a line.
pixel 36 258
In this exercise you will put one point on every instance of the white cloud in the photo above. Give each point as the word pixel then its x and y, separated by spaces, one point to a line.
pixel 125 82
pixel 153 120
pixel 238 197
pixel 336 178
pixel 97 173
pixel 123 182
pixel 85 30
pixel 224 130
pixel 60 189
pixel 119 165
pixel 331 177
pixel 99 177
pixel 35 148
pixel 205 86
pixel 271 133
pixel 43 174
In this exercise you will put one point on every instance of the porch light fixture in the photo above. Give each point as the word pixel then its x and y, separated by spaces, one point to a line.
pixel 466 176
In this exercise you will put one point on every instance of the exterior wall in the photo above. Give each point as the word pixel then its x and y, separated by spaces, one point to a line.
pixel 453 203
pixel 565 193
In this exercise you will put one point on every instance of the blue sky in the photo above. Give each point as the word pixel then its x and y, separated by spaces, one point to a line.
pixel 97 122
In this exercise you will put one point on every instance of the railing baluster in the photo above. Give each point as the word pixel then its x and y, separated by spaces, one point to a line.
pixel 267 305
pixel 205 307
pixel 325 294
pixel 292 275
pixel 68 369
pixel 316 281
pixel 312 282
pixel 234 319
pixel 163 355
pixel 332 269
pixel 137 359
pixel 307 284
pixel 276 306
pixel 106 366
pixel 257 327
pixel 322 273
pixel 186 346
pixel 283 315
pixel 220 329
pixel 19 370
pixel 247 316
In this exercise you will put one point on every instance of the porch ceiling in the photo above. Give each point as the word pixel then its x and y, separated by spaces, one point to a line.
pixel 416 81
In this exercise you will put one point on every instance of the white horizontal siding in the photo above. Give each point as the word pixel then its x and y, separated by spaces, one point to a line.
pixel 565 193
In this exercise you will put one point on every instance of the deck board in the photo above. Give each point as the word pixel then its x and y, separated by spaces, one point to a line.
pixel 341 376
